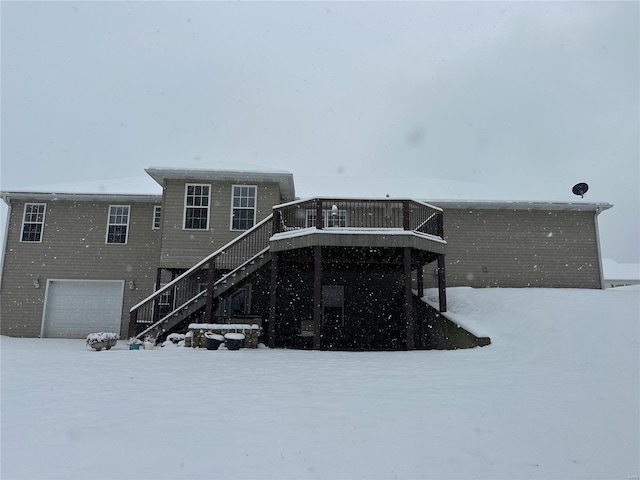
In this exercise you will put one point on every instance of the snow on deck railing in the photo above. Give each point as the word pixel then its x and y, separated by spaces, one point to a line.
pixel 358 213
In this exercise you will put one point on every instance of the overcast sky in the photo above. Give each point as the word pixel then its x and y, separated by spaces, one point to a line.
pixel 517 97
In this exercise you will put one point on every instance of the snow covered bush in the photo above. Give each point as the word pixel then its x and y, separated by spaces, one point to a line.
pixel 101 340
pixel 98 337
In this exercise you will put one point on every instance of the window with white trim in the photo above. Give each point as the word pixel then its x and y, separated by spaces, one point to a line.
pixel 330 218
pixel 335 219
pixel 243 207
pixel 311 218
pixel 157 215
pixel 33 222
pixel 196 206
pixel 118 224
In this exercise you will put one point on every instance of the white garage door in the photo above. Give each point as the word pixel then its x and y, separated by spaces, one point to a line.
pixel 75 308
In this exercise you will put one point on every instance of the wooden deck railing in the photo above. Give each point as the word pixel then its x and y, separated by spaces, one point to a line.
pixel 351 213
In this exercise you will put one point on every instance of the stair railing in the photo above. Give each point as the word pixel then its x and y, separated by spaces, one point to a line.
pixel 194 281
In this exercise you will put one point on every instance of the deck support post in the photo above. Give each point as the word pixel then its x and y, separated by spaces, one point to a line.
pixel 408 299
pixel 275 222
pixel 211 280
pixel 133 323
pixel 158 278
pixel 440 225
pixel 442 285
pixel 317 295
pixel 406 219
pixel 420 279
pixel 319 214
pixel 273 299
pixel 156 302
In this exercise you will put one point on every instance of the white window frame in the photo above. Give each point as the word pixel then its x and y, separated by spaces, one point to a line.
pixel 30 222
pixel 341 218
pixel 310 218
pixel 109 224
pixel 186 207
pixel 234 208
pixel 157 217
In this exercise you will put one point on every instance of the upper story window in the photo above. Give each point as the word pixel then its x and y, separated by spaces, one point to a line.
pixel 243 210
pixel 196 206
pixel 33 222
pixel 157 215
pixel 118 224
pixel 330 218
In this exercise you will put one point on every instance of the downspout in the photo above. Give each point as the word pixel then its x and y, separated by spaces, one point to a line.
pixel 598 249
pixel 6 238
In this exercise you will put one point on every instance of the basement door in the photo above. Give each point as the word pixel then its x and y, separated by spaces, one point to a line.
pixel 75 308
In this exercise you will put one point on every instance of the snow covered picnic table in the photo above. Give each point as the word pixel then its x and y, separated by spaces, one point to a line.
pixel 251 332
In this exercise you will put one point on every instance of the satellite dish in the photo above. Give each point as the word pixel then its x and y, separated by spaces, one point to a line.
pixel 580 189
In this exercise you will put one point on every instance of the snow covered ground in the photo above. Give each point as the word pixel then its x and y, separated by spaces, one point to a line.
pixel 554 396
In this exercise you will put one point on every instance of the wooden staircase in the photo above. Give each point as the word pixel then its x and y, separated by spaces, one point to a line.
pixel 240 258
pixel 197 303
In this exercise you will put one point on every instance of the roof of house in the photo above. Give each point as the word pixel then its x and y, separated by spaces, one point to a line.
pixel 285 180
pixel 446 194
pixel 520 205
pixel 96 197
pixel 133 187
pixel 149 187
pixel 208 170
pixel 200 164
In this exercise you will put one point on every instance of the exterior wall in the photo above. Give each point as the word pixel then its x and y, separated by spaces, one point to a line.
pixel 486 247
pixel 520 248
pixel 73 247
pixel 183 248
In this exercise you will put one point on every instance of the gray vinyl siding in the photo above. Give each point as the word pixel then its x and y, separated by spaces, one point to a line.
pixel 520 248
pixel 183 248
pixel 73 247
pixel 486 247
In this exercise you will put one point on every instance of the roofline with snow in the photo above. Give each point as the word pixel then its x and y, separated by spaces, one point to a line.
pixel 479 204
pixel 97 197
pixel 284 179
pixel 520 205
pixel 7 196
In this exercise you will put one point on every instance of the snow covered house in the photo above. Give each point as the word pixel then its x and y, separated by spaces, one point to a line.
pixel 232 245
